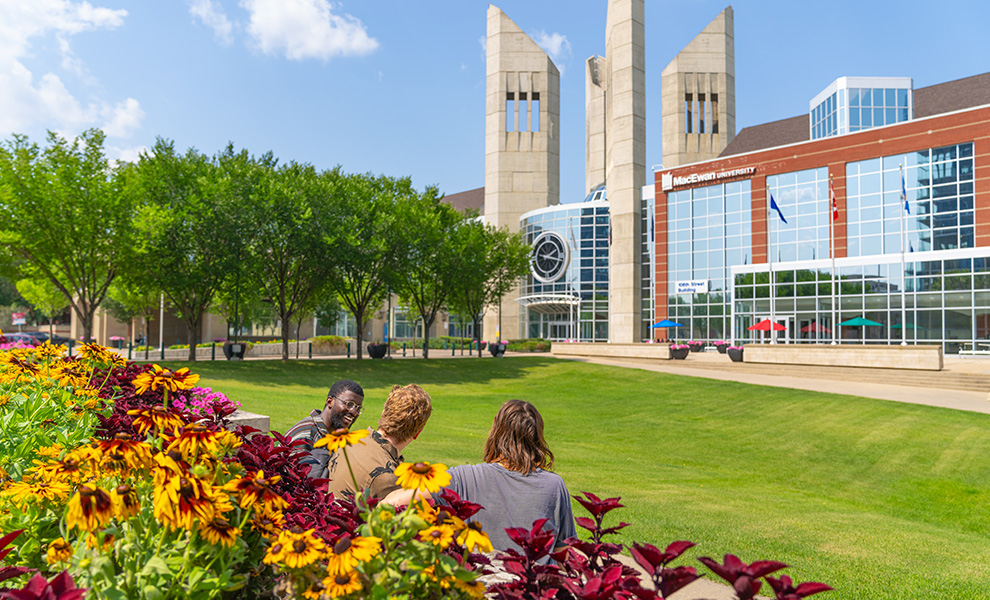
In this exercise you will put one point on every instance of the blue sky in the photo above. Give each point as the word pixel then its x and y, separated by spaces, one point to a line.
pixel 398 87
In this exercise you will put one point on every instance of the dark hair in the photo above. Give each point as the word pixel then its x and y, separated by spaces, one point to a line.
pixel 406 411
pixel 345 385
pixel 516 439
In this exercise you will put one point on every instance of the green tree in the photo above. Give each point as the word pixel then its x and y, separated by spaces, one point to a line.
pixel 432 263
pixel 371 248
pixel 63 217
pixel 193 224
pixel 45 297
pixel 490 263
pixel 128 299
pixel 292 249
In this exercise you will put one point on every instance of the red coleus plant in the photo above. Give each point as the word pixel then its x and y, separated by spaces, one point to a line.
pixel 61 587
pixel 9 572
pixel 745 579
pixel 654 562
pixel 784 588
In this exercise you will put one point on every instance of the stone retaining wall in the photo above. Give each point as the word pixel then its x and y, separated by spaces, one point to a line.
pixel 922 358
pixel 566 349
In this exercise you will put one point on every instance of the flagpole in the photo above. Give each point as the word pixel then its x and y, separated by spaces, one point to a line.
pixel 773 321
pixel 833 212
pixel 903 268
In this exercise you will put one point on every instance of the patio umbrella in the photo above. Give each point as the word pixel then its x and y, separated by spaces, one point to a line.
pixel 766 325
pixel 909 326
pixel 665 324
pixel 814 327
pixel 859 322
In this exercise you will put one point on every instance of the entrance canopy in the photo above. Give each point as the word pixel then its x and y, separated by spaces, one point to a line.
pixel 551 304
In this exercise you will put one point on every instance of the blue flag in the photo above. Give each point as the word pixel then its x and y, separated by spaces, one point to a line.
pixel 773 206
pixel 907 207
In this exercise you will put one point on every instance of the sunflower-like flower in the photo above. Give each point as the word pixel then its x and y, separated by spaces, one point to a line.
pixel 48 351
pixel 96 353
pixel 474 589
pixel 89 509
pixel 182 498
pixel 342 584
pixel 422 476
pixel 37 490
pixel 219 531
pixel 59 551
pixel 159 378
pixel 348 551
pixel 70 373
pixel 50 451
pixel 472 537
pixel 337 439
pixel 123 455
pixel 296 549
pixel 268 520
pixel 93 541
pixel 4 400
pixel 193 439
pixel 441 536
pixel 227 441
pixel 125 501
pixel 157 417
pixel 256 488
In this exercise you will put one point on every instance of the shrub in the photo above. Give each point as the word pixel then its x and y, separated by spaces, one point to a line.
pixel 530 345
pixel 328 344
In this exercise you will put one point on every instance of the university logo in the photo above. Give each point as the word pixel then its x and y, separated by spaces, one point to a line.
pixel 666 181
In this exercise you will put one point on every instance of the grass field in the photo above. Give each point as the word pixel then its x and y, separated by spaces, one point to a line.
pixel 878 499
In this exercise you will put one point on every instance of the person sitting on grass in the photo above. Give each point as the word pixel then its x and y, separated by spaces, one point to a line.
pixel 373 460
pixel 344 403
pixel 514 484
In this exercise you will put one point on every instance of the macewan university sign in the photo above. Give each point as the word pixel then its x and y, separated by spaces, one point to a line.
pixel 669 181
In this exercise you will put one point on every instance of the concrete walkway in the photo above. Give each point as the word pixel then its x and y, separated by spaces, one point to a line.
pixel 955 399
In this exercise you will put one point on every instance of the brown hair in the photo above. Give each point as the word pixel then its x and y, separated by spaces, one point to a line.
pixel 516 439
pixel 406 411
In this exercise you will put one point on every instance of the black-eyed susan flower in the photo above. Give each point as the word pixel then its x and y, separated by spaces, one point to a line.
pixel 93 541
pixel 422 476
pixel 474 589
pixel 275 554
pixel 268 520
pixel 48 351
pixel 50 451
pixel 181 499
pixel 125 501
pixel 192 439
pixel 472 537
pixel 219 531
pixel 96 353
pixel 300 549
pixel 157 417
pixel 59 551
pixel 342 584
pixel 89 509
pixel 337 439
pixel 70 373
pixel 37 491
pixel 159 378
pixel 441 536
pixel 4 400
pixel 254 488
pixel 227 441
pixel 123 454
pixel 348 551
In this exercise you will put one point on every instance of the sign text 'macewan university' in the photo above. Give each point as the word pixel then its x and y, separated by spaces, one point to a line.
pixel 670 181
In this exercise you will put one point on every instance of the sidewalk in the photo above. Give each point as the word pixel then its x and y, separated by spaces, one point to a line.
pixel 955 399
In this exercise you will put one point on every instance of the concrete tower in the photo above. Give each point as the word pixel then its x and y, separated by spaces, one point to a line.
pixel 522 143
pixel 594 123
pixel 625 163
pixel 699 96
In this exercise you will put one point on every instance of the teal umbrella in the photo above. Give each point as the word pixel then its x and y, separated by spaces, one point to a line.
pixel 859 322
pixel 909 326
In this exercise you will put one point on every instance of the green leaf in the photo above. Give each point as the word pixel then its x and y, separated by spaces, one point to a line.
pixel 157 566
pixel 151 592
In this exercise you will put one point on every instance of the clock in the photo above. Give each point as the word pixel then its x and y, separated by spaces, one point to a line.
pixel 549 259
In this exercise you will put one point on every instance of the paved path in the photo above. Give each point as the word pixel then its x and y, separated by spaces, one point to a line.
pixel 956 399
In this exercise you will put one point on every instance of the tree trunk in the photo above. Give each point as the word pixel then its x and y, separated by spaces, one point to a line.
pixel 476 321
pixel 192 331
pixel 286 330
pixel 426 335
pixel 359 317
pixel 147 342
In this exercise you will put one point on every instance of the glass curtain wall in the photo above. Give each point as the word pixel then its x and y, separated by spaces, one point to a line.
pixel 709 231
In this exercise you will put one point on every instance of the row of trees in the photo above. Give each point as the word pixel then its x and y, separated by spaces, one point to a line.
pixel 228 231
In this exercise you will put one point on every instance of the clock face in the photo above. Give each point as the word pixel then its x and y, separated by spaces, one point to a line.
pixel 549 258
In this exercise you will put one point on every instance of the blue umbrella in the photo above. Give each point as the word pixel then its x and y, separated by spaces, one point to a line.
pixel 665 323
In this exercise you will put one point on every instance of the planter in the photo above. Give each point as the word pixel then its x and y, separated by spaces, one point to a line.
pixel 679 353
pixel 721 348
pixel 736 354
pixel 498 349
pixel 696 347
pixel 234 350
pixel 377 350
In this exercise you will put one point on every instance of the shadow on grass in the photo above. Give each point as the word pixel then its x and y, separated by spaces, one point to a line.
pixel 369 373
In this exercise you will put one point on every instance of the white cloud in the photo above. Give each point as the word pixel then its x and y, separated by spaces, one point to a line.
pixel 124 118
pixel 483 42
pixel 304 29
pixel 117 154
pixel 555 45
pixel 212 15
pixel 31 102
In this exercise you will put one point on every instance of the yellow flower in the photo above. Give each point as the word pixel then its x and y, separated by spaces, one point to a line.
pixel 472 537
pixel 93 541
pixel 89 509
pixel 475 589
pixel 123 455
pixel 159 378
pixel 192 439
pixel 422 476
pixel 438 536
pixel 49 350
pixel 180 498
pixel 268 520
pixel 156 417
pixel 348 552
pixel 297 550
pixel 70 373
pixel 227 441
pixel 59 551
pixel 219 531
pixel 342 584
pixel 255 488
pixel 23 492
pixel 125 501
pixel 50 451
pixel 4 399
pixel 96 352
pixel 337 439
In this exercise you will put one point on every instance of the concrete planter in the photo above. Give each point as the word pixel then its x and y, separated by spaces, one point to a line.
pixel 736 354
pixel 721 348
pixel 921 357
pixel 679 353
pixel 696 347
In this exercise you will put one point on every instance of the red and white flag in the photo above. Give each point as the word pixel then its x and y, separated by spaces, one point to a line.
pixel 835 205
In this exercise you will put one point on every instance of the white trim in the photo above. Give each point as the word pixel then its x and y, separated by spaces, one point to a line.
pixel 569 206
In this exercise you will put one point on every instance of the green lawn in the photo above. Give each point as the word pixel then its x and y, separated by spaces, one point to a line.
pixel 878 499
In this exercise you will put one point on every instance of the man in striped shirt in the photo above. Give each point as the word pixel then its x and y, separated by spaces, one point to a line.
pixel 344 403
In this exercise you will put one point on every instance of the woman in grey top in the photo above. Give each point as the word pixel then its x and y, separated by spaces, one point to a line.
pixel 514 484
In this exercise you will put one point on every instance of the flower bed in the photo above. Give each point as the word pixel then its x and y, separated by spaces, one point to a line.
pixel 120 481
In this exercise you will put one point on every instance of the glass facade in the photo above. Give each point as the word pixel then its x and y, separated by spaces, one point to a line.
pixel 873 107
pixel 851 104
pixel 802 197
pixel 939 186
pixel 566 296
pixel 709 231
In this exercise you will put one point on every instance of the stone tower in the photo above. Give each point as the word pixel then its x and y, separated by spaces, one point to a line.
pixel 522 143
pixel 699 96
pixel 625 163
pixel 594 123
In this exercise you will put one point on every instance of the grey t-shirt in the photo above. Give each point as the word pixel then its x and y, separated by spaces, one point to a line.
pixel 511 499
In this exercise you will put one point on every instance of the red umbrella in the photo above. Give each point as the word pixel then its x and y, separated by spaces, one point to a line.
pixel 814 327
pixel 767 325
